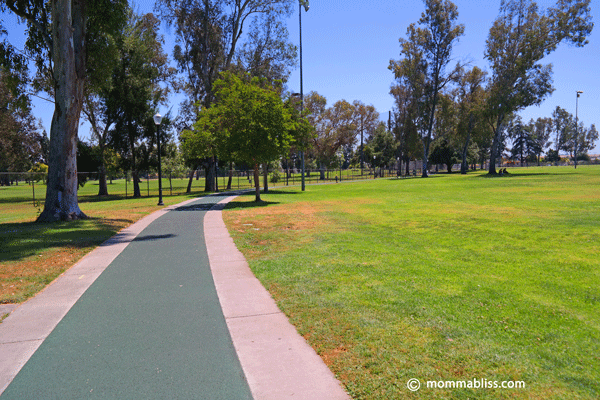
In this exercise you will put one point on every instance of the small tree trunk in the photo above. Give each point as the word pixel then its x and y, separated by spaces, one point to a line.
pixel 266 177
pixel 425 165
pixel 189 186
pixel 495 145
pixel 463 165
pixel 230 180
pixel 256 182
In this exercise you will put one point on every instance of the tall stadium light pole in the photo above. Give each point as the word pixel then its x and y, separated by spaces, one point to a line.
pixel 157 121
pixel 306 7
pixel 576 125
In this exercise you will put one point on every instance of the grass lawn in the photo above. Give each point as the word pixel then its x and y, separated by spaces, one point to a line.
pixel 32 255
pixel 447 278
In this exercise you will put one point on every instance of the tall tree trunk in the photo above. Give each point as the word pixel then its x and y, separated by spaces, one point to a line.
pixel 256 182
pixel 266 177
pixel 493 153
pixel 495 145
pixel 463 165
pixel 68 56
pixel 427 141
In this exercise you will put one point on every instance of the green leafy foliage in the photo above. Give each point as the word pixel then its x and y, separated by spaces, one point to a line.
pixel 248 123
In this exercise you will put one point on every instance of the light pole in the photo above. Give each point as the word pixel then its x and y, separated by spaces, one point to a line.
pixel 157 121
pixel 306 7
pixel 576 125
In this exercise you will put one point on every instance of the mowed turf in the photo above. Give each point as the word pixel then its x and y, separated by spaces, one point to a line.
pixel 32 255
pixel 440 279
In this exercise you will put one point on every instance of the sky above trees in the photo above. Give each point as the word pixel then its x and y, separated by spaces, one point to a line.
pixel 347 46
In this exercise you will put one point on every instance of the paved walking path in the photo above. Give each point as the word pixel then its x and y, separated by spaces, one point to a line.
pixel 140 317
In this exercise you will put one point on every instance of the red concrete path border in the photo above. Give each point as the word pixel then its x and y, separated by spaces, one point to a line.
pixel 277 361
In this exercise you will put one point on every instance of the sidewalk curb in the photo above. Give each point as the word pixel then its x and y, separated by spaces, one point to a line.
pixel 278 363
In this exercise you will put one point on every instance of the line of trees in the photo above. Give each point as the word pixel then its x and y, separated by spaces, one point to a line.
pixel 471 113
pixel 99 60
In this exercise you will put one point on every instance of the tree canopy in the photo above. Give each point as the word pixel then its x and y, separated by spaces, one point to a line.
pixel 248 122
pixel 519 39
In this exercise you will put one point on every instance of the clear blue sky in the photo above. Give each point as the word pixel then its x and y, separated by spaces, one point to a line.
pixel 347 46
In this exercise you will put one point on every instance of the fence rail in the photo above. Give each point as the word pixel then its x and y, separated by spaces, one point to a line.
pixel 122 186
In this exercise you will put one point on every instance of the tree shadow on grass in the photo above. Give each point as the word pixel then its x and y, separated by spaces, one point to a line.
pixel 517 175
pixel 21 240
pixel 240 205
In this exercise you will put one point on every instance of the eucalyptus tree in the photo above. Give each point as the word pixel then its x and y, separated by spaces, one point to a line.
pixel 405 123
pixel 139 84
pixel 519 39
pixel 208 35
pixel 366 120
pixel 426 54
pixel 470 98
pixel 267 52
pixel 66 37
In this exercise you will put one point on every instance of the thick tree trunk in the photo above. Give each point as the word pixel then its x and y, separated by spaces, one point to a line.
pixel 209 182
pixel 102 186
pixel 68 56
pixel 256 182
pixel 136 184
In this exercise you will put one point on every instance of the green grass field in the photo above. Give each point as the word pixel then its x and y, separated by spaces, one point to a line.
pixel 447 278
pixel 32 255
